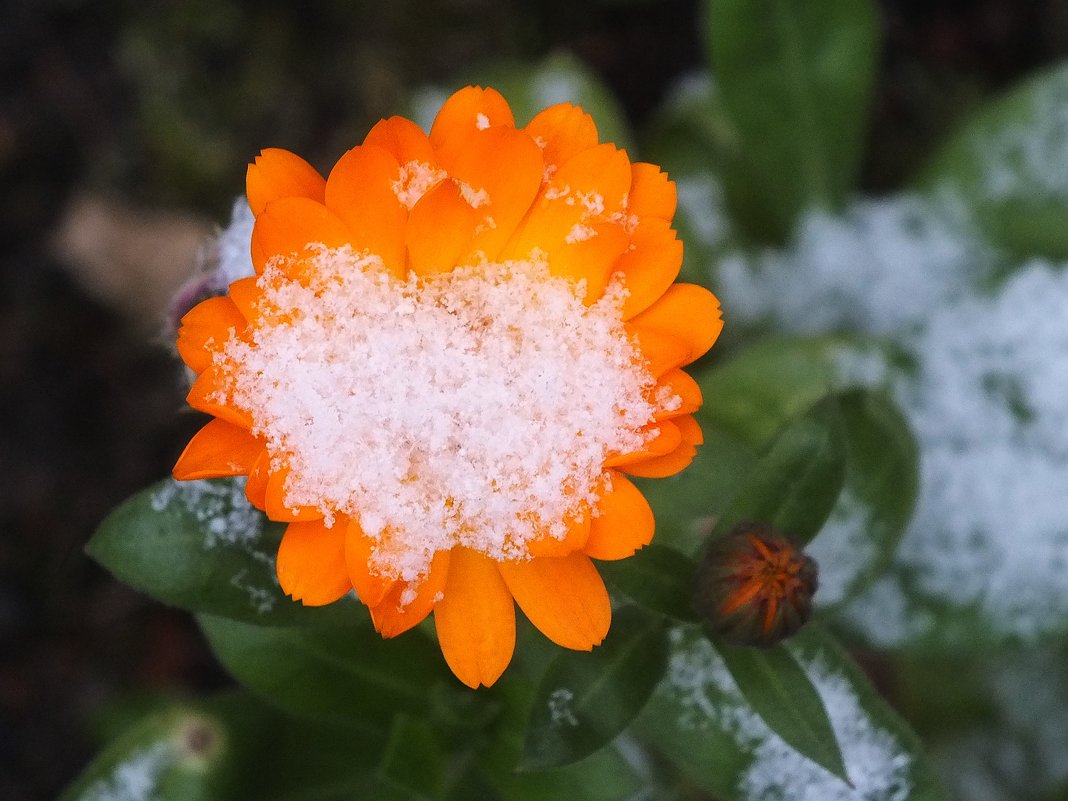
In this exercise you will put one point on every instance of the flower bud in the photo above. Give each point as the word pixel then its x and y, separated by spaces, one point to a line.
pixel 755 586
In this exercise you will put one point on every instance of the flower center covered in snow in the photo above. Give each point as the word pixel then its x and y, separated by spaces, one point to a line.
pixel 474 407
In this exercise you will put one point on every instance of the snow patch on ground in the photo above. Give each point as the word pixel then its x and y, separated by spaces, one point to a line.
pixel 882 266
pixel 989 411
pixel 986 400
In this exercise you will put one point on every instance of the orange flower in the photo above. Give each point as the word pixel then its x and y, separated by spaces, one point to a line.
pixel 455 350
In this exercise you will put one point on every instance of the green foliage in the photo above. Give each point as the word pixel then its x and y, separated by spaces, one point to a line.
pixel 657 577
pixel 686 505
pixel 775 379
pixel 691 137
pixel 229 748
pixel 336 673
pixel 972 712
pixel 182 754
pixel 767 384
pixel 700 722
pixel 585 700
pixel 413 759
pixel 781 693
pixel 881 484
pixel 201 546
pixel 796 79
pixel 1005 165
pixel 796 483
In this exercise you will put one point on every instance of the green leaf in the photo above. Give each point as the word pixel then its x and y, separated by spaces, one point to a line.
pixel 657 577
pixel 796 78
pixel 1006 164
pixel 686 505
pixel 346 674
pixel 611 773
pixel 760 388
pixel 181 754
pixel 881 486
pixel 606 775
pixel 754 393
pixel 795 485
pixel 531 87
pixel 586 699
pixel 699 720
pixel 691 133
pixel 780 691
pixel 269 756
pixel 691 137
pixel 413 758
pixel 200 545
pixel 972 712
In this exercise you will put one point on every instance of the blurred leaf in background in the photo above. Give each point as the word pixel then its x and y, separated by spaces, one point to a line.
pixel 796 81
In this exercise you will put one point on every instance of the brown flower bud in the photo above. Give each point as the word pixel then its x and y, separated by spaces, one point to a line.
pixel 755 586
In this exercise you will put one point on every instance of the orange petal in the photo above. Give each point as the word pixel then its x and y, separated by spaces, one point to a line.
pixel 205 329
pixel 287 226
pixel 204 396
pixel 440 229
pixel 360 192
pixel 625 522
pixel 506 165
pixel 391 617
pixel 662 352
pixel 370 587
pixel 677 460
pixel 602 169
pixel 570 219
pixel 475 619
pixel 664 437
pixel 574 539
pixel 680 384
pixel 686 312
pixel 593 260
pixel 246 293
pixel 663 466
pixel 218 449
pixel 259 256
pixel 588 189
pixel 690 429
pixel 311 563
pixel 276 174
pixel 652 194
pixel 256 486
pixel 468 110
pixel 562 131
pixel 650 265
pixel 275 501
pixel 402 138
pixel 563 597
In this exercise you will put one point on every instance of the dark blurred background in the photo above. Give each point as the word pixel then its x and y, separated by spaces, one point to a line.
pixel 124 133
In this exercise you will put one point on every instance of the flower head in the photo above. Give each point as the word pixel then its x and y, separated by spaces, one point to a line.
pixel 454 350
pixel 755 586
